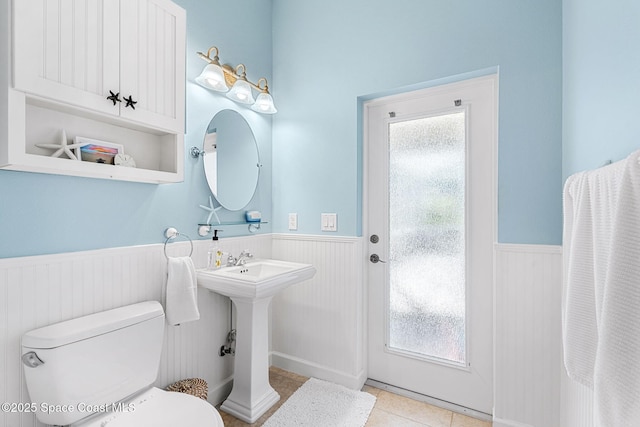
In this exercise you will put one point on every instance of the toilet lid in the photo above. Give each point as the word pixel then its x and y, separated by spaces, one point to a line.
pixel 159 408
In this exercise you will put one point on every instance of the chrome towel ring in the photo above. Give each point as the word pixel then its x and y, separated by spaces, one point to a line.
pixel 171 233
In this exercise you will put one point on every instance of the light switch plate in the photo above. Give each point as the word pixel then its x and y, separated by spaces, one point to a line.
pixel 329 222
pixel 293 221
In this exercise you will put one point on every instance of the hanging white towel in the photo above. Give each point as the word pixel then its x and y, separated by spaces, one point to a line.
pixel 617 372
pixel 590 200
pixel 182 291
pixel 601 301
pixel 579 326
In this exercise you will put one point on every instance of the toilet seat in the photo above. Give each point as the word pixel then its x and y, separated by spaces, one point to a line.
pixel 158 408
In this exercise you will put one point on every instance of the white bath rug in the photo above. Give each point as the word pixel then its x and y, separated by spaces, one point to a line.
pixel 321 404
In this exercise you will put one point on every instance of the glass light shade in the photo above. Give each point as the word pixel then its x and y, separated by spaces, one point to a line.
pixel 264 104
pixel 241 92
pixel 212 77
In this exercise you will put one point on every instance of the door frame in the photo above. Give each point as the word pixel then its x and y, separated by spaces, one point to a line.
pixel 411 93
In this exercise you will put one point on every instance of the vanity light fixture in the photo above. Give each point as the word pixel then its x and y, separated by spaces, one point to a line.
pixel 221 78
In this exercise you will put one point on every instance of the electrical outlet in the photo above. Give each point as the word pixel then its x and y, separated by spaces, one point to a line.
pixel 293 221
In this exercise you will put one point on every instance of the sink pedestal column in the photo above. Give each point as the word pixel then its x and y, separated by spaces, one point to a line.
pixel 251 395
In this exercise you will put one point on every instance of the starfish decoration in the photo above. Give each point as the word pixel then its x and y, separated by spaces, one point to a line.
pixel 130 102
pixel 63 147
pixel 114 97
pixel 212 211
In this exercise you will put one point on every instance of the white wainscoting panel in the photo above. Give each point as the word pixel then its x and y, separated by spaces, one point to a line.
pixel 318 325
pixel 528 336
pixel 41 290
pixel 577 404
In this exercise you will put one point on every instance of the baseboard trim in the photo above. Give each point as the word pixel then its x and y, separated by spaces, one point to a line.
pixel 499 422
pixel 310 369
pixel 430 400
pixel 220 391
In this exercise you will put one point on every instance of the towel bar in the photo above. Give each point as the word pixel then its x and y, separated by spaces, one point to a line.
pixel 171 233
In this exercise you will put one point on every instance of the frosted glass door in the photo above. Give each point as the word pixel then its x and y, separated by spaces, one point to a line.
pixel 427 237
pixel 429 219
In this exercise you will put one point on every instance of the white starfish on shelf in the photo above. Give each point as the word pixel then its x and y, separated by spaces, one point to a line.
pixel 63 147
pixel 212 211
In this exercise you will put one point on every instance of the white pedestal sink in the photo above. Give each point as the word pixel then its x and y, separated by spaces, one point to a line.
pixel 251 287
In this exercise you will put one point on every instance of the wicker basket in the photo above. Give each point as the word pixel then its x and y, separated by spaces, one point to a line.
pixel 194 386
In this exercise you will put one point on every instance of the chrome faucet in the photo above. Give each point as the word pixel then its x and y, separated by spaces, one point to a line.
pixel 244 256
pixel 241 260
pixel 231 260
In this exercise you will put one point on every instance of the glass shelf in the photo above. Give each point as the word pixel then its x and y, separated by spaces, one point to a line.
pixel 207 229
pixel 234 223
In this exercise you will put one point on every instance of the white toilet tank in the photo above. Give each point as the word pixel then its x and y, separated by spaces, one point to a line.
pixel 92 362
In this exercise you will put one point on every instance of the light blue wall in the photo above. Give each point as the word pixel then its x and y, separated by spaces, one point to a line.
pixel 601 50
pixel 328 53
pixel 42 214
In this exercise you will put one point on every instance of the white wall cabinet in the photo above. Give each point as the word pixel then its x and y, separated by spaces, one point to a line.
pixel 69 56
pixel 79 51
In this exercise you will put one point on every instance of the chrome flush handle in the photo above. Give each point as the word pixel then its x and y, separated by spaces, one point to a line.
pixel 32 360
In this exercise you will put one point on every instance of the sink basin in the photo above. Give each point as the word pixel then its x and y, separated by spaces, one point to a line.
pixel 256 279
pixel 251 287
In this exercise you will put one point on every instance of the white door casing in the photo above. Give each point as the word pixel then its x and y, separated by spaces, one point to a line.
pixel 469 385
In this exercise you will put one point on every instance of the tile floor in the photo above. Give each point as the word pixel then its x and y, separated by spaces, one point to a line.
pixel 390 409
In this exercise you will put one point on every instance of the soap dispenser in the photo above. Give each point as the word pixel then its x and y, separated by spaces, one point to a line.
pixel 214 255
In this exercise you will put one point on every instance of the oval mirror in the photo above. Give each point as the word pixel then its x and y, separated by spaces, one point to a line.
pixel 231 160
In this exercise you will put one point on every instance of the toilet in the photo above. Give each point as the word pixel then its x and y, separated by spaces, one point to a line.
pixel 98 370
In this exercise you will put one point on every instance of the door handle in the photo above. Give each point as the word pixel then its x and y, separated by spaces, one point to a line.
pixel 374 258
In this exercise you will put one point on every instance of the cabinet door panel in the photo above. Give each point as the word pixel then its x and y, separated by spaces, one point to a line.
pixel 152 51
pixel 67 50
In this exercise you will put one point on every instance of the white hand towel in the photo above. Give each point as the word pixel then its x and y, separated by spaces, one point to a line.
pixel 182 291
